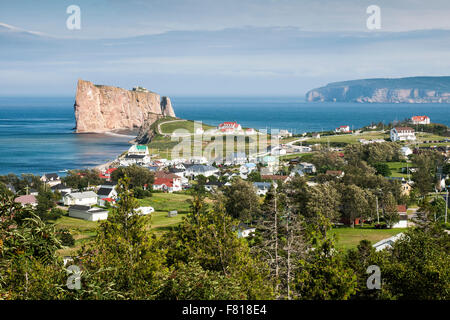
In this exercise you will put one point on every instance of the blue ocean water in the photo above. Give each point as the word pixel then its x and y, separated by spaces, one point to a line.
pixel 36 134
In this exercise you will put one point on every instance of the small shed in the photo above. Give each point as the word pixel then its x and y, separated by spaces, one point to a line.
pixel 172 213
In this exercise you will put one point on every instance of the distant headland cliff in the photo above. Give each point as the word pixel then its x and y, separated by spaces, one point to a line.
pixel 400 90
pixel 101 108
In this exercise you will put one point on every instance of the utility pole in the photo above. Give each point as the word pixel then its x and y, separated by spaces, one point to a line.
pixel 446 205
pixel 378 216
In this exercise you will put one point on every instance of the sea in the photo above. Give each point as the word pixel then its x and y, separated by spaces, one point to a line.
pixel 37 136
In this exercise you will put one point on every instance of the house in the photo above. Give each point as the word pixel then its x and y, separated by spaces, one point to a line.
pixel 275 177
pixel 144 210
pixel 405 151
pixel 229 127
pixel 61 188
pixel 420 120
pixel 167 184
pixel 131 159
pixel 245 231
pixel 406 188
pixel 86 198
pixel 316 136
pixel 250 131
pixel 262 187
pixel 269 161
pixel 335 173
pixel 402 212
pixel 137 149
pixel 106 174
pixel 246 168
pixel 27 200
pixel 200 169
pixel 387 243
pixel 177 171
pixel 51 179
pixel 236 158
pixel 402 134
pixel 213 185
pixel 342 129
pixel 106 193
pixel 307 167
pixel 198 160
pixel 87 213
pixel 295 172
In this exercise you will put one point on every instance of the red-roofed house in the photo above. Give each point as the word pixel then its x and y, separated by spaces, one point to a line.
pixel 229 127
pixel 344 129
pixel 167 184
pixel 420 120
pixel 402 212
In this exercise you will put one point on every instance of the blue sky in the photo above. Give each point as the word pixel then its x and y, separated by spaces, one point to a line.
pixel 209 47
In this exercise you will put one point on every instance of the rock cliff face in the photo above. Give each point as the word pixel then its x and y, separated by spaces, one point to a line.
pixel 403 90
pixel 105 108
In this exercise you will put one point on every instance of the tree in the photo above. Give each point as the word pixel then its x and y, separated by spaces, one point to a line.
pixel 418 266
pixel 382 169
pixel 124 260
pixel 241 202
pixel 390 211
pixel 210 241
pixel 139 177
pixel 325 200
pixel 46 201
pixel 354 203
pixel 323 275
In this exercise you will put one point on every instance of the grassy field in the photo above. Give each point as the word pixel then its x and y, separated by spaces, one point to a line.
pixel 349 138
pixel 169 127
pixel 349 238
pixel 83 231
pixel 163 203
pixel 396 168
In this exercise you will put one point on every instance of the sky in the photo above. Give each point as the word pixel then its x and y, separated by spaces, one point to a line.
pixel 210 47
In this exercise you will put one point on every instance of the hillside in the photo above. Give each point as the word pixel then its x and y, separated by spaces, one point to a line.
pixel 400 90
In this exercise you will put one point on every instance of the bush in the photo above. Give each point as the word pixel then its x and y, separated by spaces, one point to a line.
pixel 66 238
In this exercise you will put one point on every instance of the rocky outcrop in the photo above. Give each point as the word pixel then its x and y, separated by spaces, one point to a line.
pixel 105 108
pixel 402 90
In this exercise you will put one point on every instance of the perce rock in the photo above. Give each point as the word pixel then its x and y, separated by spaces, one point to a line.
pixel 105 108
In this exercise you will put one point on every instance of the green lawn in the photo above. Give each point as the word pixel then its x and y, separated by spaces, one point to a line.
pixel 169 127
pixel 349 138
pixel 396 168
pixel 163 203
pixel 83 231
pixel 349 238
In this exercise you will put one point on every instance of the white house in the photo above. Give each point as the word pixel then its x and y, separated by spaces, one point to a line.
pixel 245 231
pixel 420 120
pixel 137 149
pixel 236 158
pixel 343 129
pixel 106 193
pixel 402 134
pixel 403 222
pixel 87 198
pixel 246 168
pixel 387 243
pixel 167 184
pixel 87 213
pixel 144 210
pixel 229 127
pixel 307 167
pixel 405 151
pixel 200 169
pixel 51 179
pixel 262 187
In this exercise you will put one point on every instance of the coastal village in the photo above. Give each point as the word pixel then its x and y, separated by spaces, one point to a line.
pixel 277 165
